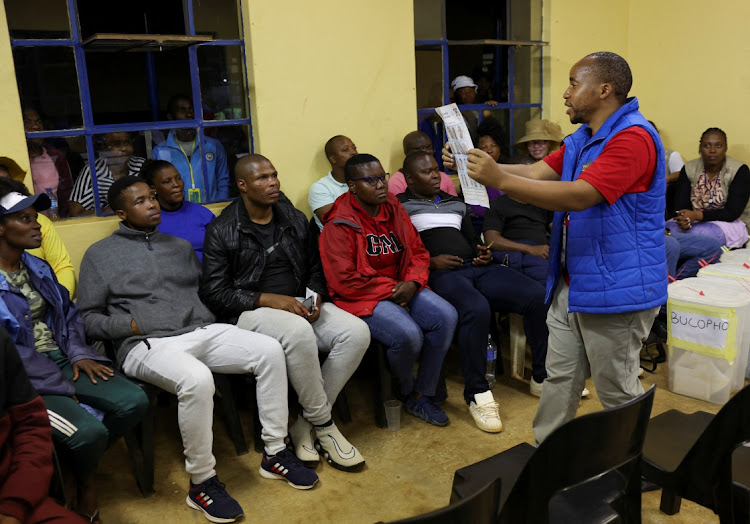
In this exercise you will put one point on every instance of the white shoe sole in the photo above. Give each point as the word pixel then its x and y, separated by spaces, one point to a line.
pixel 193 505
pixel 275 476
pixel 343 467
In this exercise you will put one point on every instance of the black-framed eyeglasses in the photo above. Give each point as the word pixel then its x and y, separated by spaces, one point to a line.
pixel 373 180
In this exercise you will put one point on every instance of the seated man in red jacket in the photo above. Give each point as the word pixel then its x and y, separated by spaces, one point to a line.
pixel 25 447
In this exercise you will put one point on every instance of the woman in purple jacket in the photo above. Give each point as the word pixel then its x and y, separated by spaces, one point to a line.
pixel 89 407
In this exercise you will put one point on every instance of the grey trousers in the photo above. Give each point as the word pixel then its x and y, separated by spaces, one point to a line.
pixel 183 364
pixel 605 347
pixel 343 336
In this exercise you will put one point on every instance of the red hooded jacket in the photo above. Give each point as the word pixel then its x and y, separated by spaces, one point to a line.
pixel 352 241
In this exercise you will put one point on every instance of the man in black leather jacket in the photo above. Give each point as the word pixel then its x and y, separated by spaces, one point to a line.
pixel 259 265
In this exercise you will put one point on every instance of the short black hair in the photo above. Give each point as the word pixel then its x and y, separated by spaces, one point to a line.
pixel 172 102
pixel 150 168
pixel 412 158
pixel 714 130
pixel 354 162
pixel 328 148
pixel 114 195
pixel 5 168
pixel 8 185
pixel 614 69
pixel 491 127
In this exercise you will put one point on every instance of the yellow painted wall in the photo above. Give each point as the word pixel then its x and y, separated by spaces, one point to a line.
pixel 684 80
pixel 322 69
pixel 12 138
pixel 575 28
pixel 690 62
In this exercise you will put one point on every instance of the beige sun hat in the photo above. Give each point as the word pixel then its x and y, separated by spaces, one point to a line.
pixel 540 130
pixel 16 171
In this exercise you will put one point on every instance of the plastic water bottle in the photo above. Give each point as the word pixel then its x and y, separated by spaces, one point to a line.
pixel 491 359
pixel 54 211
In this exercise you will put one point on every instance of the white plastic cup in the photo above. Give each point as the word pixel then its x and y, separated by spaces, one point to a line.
pixel 393 414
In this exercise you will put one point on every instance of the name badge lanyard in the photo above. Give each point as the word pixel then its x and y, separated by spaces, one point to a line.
pixel 194 193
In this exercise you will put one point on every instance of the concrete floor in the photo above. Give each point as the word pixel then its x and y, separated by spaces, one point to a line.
pixel 408 472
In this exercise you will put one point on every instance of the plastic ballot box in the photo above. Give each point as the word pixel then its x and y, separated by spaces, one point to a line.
pixel 735 267
pixel 708 337
pixel 736 255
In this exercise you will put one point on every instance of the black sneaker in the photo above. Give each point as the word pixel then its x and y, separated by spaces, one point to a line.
pixel 212 499
pixel 286 466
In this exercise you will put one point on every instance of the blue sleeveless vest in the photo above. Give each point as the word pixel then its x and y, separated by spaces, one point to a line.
pixel 615 254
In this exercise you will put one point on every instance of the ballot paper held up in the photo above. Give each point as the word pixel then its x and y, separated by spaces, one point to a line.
pixel 460 141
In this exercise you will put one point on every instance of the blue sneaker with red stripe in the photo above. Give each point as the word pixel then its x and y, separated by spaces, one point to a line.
pixel 284 465
pixel 212 499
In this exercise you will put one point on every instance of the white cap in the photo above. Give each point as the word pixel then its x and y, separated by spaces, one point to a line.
pixel 14 201
pixel 463 81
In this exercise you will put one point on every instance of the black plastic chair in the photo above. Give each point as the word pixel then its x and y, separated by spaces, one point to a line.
pixel 690 455
pixel 741 484
pixel 587 470
pixel 479 508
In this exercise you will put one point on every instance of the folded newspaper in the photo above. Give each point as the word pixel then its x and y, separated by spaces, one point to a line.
pixel 460 141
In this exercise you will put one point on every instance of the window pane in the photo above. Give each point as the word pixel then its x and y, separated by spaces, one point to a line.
pixel 475 19
pixel 121 88
pixel 486 65
pixel 24 20
pixel 527 77
pixel 428 19
pixel 222 145
pixel 47 82
pixel 525 20
pixel 54 165
pixel 115 157
pixel 217 18
pixel 236 143
pixel 495 124
pixel 134 17
pixel 222 77
pixel 432 125
pixel 429 64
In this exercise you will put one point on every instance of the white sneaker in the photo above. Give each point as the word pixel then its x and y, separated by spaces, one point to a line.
pixel 535 388
pixel 585 393
pixel 302 439
pixel 337 450
pixel 484 409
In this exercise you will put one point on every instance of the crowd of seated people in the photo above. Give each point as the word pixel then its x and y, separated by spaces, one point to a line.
pixel 182 294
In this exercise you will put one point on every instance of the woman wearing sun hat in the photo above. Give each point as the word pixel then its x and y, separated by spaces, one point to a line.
pixel 541 138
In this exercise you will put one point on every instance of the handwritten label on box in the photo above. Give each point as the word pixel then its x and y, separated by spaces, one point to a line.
pixel 703 329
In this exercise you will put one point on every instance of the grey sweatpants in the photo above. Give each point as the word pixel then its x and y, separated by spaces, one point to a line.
pixel 605 347
pixel 183 364
pixel 343 336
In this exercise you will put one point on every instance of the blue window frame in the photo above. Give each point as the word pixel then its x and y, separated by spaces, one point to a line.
pixel 88 128
pixel 501 39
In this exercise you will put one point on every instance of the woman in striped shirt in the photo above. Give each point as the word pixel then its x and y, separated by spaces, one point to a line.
pixel 115 161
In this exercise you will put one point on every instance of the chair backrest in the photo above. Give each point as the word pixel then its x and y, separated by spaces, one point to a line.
pixel 583 449
pixel 706 468
pixel 480 508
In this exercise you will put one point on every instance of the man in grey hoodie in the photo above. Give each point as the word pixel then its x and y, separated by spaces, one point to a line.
pixel 139 288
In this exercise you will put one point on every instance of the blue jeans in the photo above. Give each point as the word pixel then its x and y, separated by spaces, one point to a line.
pixel 690 250
pixel 530 265
pixel 426 328
pixel 476 292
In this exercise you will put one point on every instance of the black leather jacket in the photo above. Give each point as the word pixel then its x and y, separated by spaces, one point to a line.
pixel 233 259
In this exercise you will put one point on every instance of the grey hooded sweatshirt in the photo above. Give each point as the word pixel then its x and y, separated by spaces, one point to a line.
pixel 149 277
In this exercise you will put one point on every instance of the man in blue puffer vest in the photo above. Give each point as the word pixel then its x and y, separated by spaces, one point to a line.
pixel 607 272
